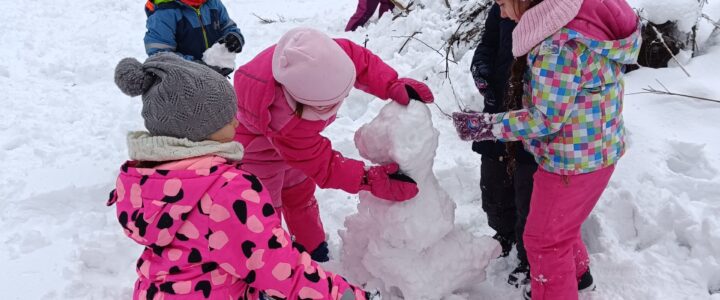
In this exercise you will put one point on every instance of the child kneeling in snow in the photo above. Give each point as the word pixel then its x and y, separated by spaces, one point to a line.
pixel 209 228
pixel 291 92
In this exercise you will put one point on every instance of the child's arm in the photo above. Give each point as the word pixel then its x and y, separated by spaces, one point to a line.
pixel 555 83
pixel 250 244
pixel 375 77
pixel 160 35
pixel 228 26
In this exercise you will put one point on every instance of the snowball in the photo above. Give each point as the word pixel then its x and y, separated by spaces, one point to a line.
pixel 219 56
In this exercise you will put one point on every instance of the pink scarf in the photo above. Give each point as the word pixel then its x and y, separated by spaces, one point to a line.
pixel 542 21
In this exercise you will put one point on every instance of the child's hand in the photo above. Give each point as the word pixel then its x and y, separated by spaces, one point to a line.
pixel 386 182
pixel 473 126
pixel 405 89
pixel 232 42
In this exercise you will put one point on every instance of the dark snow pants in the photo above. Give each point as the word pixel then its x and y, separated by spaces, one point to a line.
pixel 365 10
pixel 506 198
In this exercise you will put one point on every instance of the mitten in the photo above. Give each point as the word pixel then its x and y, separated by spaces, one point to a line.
pixel 482 86
pixel 473 126
pixel 386 182
pixel 404 89
pixel 225 72
pixel 232 42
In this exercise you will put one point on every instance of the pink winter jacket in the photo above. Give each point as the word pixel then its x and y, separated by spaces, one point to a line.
pixel 273 134
pixel 210 232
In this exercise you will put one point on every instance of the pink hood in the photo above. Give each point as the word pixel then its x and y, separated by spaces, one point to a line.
pixel 605 20
pixel 160 200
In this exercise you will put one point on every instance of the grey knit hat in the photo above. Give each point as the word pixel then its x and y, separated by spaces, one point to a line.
pixel 180 98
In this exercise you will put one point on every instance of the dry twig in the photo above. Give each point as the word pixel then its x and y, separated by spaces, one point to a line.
pixel 666 91
pixel 662 40
pixel 264 20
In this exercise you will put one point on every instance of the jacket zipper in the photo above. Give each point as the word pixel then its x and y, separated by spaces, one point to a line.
pixel 202 26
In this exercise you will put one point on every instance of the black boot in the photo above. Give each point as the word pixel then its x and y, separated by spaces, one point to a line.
pixel 321 253
pixel 506 244
pixel 520 276
pixel 586 282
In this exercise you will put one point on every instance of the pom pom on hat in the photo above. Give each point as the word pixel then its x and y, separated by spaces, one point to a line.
pixel 131 78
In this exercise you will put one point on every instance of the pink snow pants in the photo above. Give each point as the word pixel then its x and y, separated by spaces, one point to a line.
pixel 557 254
pixel 365 10
pixel 293 194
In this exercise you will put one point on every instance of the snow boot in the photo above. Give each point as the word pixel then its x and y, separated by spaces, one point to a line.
pixel 505 243
pixel 520 276
pixel 585 284
pixel 321 253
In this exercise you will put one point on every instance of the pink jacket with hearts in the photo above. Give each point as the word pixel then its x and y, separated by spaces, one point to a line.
pixel 273 134
pixel 210 232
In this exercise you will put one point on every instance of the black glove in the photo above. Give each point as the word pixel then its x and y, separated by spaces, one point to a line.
pixel 232 42
pixel 225 72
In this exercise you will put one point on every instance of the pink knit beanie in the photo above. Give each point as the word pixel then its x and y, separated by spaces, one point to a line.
pixel 542 21
pixel 312 67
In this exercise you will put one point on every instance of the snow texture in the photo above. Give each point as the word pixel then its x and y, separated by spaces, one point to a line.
pixel 401 248
pixel 684 12
pixel 218 55
pixel 654 235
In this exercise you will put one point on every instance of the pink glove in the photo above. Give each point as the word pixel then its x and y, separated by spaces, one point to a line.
pixel 473 126
pixel 386 182
pixel 404 89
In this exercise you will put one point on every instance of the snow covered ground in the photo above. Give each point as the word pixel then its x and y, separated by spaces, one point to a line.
pixel 654 235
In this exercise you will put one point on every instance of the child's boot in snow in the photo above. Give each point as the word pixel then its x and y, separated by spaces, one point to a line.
pixel 586 282
pixel 520 276
pixel 321 253
pixel 506 244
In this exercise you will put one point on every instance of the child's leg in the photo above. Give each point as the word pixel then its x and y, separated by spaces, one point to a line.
pixel 498 197
pixel 363 13
pixel 557 211
pixel 301 211
pixel 523 183
pixel 582 259
pixel 386 6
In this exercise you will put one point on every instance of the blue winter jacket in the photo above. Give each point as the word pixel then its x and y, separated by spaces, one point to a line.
pixel 177 27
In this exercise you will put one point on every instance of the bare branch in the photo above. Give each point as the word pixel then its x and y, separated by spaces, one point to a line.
pixel 264 20
pixel 652 90
pixel 408 40
pixel 662 40
pixel 421 41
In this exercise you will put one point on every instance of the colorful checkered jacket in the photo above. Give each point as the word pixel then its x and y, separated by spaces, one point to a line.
pixel 572 122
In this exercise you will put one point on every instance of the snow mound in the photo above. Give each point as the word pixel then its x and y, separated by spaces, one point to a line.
pixel 401 248
pixel 684 12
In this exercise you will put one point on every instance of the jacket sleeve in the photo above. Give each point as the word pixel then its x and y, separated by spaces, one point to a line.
pixel 250 244
pixel 160 34
pixel 555 82
pixel 374 76
pixel 482 60
pixel 304 148
pixel 227 25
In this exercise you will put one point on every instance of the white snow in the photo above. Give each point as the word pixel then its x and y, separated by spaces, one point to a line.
pixel 385 243
pixel 654 235
pixel 685 12
pixel 219 56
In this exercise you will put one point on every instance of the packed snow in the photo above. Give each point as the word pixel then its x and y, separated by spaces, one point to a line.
pixel 655 233
pixel 384 242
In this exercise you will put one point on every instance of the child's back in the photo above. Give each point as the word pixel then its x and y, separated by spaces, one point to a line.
pixel 209 229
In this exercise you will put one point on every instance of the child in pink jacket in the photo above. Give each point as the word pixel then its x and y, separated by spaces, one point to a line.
pixel 287 95
pixel 208 228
